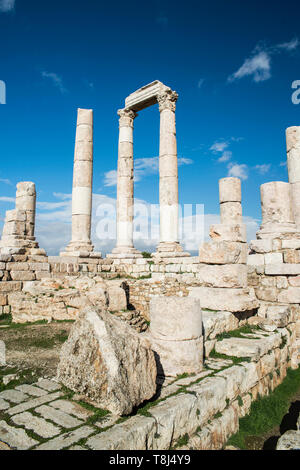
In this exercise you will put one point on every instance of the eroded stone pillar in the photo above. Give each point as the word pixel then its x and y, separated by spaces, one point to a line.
pixel 81 244
pixel 19 226
pixel 168 176
pixel 277 212
pixel 293 161
pixel 125 187
pixel 26 201
pixel 176 335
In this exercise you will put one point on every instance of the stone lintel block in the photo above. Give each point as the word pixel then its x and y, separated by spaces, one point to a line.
pixel 227 232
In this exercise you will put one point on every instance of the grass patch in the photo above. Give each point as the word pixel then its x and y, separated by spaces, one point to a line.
pixel 235 360
pixel 182 441
pixel 244 330
pixel 266 413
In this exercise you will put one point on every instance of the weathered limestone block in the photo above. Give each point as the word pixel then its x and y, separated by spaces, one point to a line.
pixel 256 260
pixel 273 258
pixel 254 348
pixel 223 252
pixel 176 335
pixel 227 232
pixel 261 246
pixel 232 300
pixel 291 295
pixel 282 269
pixel 117 299
pixel 291 256
pixel 107 362
pixel 229 275
pixel 267 294
pixel 215 323
pixel 290 440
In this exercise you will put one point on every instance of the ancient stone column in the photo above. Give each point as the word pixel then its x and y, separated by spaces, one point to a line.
pixel 276 206
pixel 293 161
pixel 125 187
pixel 168 175
pixel 81 244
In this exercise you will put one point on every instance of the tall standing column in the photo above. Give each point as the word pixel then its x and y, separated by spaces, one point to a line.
pixel 81 244
pixel 293 161
pixel 168 175
pixel 125 187
pixel 26 201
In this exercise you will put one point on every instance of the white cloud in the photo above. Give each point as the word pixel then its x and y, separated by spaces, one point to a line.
pixel 162 20
pixel 219 146
pixel 258 65
pixel 283 163
pixel 7 5
pixel 226 156
pixel 6 181
pixel 56 81
pixel 7 199
pixel 263 169
pixel 110 178
pixel 238 171
pixel 200 82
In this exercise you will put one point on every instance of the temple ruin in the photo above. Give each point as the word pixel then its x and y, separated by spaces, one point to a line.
pixel 193 303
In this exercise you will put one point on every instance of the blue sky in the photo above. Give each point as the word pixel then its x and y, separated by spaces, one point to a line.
pixel 232 64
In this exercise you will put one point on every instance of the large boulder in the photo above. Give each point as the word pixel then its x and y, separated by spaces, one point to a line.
pixel 106 361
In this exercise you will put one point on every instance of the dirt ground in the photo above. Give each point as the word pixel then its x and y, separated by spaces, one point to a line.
pixel 35 347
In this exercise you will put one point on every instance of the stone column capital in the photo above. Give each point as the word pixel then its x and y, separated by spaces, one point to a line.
pixel 126 116
pixel 167 100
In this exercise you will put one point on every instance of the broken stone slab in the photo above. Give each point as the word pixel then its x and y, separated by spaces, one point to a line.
pixel 39 426
pixel 289 441
pixel 2 354
pixel 261 246
pixel 231 300
pixel 116 296
pixel 108 362
pixel 58 417
pixel 72 408
pixel 67 439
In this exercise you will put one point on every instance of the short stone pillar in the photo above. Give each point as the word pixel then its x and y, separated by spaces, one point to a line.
pixel 277 212
pixel 176 335
pixel 81 244
pixel 125 188
pixel 19 225
pixel 293 161
pixel 230 200
pixel 26 201
pixel 231 228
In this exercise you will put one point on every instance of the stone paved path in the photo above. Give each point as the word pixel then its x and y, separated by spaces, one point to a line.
pixel 41 416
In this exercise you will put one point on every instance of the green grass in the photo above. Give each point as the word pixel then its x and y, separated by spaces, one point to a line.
pixel 235 360
pixel 244 330
pixel 266 413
